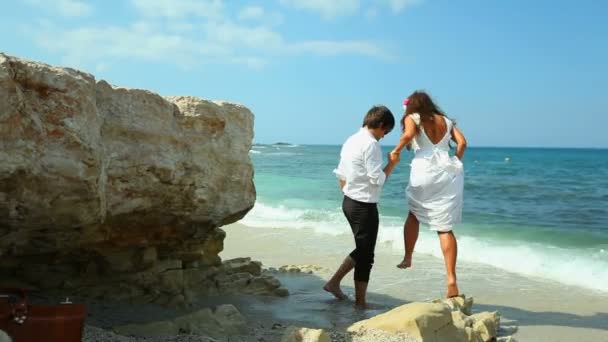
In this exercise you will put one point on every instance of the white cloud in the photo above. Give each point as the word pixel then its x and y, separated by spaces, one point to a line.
pixel 67 8
pixel 167 36
pixel 327 8
pixel 231 34
pixel 251 12
pixel 177 9
pixel 399 5
pixel 371 13
pixel 332 48
pixel 251 62
pixel 103 44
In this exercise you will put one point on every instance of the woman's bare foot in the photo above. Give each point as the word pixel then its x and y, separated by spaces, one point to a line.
pixel 406 263
pixel 452 291
pixel 335 290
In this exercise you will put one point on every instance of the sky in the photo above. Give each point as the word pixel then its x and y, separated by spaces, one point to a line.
pixel 514 73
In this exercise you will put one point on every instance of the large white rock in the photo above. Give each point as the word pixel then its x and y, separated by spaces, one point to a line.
pixel 444 320
pixel 422 320
pixel 297 334
pixel 84 162
pixel 104 180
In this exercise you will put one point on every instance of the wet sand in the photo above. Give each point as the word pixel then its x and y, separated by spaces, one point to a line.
pixel 541 310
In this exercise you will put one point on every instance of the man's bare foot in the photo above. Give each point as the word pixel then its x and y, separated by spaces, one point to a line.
pixel 452 291
pixel 361 306
pixel 335 290
pixel 406 263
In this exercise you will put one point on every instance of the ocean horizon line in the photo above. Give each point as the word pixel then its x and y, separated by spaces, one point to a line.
pixel 469 146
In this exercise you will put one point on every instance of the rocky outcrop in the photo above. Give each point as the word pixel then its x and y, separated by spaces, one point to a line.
pixel 102 184
pixel 444 320
pixel 241 275
pixel 223 321
pixel 307 269
pixel 297 334
pixel 447 320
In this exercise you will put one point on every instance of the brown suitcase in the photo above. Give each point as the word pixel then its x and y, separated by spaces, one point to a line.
pixel 26 322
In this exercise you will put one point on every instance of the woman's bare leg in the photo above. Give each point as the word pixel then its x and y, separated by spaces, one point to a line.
pixel 410 236
pixel 449 247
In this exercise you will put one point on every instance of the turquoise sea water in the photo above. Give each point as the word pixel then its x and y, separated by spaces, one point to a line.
pixel 538 212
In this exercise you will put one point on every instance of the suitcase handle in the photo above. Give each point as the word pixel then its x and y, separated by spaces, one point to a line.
pixel 17 300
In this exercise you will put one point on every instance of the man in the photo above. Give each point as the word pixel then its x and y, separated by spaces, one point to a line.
pixel 361 178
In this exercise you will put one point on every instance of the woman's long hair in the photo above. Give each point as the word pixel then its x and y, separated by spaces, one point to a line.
pixel 421 103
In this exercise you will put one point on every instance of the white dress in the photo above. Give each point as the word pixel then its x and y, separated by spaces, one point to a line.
pixel 434 193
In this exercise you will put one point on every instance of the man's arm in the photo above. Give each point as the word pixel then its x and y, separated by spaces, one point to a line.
pixel 393 160
pixel 340 172
pixel 373 164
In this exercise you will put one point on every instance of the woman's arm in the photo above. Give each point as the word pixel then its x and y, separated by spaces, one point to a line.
pixel 460 140
pixel 407 136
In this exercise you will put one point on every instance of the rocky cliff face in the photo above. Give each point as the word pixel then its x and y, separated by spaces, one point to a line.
pixel 98 182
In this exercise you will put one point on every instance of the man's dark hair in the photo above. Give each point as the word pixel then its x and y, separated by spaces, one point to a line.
pixel 379 117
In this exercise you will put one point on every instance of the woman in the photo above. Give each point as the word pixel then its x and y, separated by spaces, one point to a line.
pixel 434 192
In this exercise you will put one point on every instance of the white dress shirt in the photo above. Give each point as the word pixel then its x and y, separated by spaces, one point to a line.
pixel 361 167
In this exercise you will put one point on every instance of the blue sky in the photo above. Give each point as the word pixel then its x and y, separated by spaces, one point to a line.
pixel 512 73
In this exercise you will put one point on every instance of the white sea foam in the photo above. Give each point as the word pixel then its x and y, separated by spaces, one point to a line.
pixel 577 267
pixel 288 146
pixel 282 154
pixel 321 221
pixel 585 268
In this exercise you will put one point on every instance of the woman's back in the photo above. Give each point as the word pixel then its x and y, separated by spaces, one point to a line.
pixel 432 132
pixel 435 129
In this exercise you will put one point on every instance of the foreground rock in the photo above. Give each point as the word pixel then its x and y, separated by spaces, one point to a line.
pixel 95 334
pixel 441 321
pixel 224 321
pixel 297 334
pixel 446 320
pixel 372 335
pixel 242 275
pixel 118 192
pixel 307 269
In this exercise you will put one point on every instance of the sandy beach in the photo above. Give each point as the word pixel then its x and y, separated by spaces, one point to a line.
pixel 540 310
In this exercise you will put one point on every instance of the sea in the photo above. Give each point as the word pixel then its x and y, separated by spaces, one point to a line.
pixel 538 212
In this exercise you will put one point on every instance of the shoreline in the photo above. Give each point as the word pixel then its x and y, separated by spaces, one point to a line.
pixel 542 310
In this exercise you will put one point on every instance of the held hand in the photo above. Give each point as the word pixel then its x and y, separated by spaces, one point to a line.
pixel 394 157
